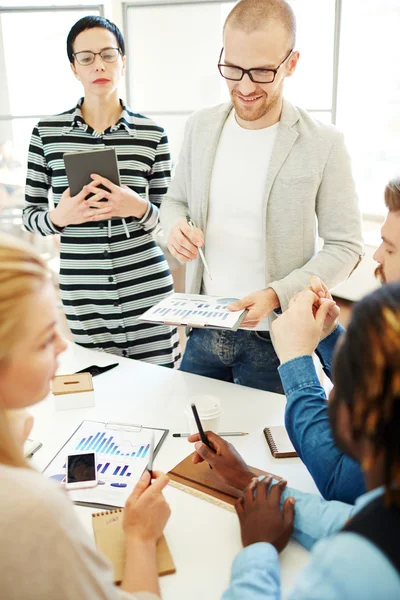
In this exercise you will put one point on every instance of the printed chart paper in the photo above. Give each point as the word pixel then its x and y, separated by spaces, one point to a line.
pixel 195 311
pixel 122 456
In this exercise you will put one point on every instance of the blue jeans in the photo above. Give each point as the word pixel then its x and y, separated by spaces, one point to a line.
pixel 243 357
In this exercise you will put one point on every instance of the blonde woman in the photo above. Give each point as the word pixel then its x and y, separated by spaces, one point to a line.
pixel 44 553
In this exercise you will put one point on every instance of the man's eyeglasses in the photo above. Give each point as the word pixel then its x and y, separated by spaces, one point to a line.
pixel 256 75
pixel 86 57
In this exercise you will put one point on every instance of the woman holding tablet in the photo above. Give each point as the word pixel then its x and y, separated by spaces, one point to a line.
pixel 111 268
pixel 44 552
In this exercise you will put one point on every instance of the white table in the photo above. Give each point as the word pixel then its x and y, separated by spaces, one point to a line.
pixel 203 538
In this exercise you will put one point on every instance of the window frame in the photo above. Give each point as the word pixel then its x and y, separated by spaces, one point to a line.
pixel 163 3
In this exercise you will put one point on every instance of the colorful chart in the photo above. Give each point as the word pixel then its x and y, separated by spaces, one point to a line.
pixel 194 309
pixel 122 455
pixel 100 443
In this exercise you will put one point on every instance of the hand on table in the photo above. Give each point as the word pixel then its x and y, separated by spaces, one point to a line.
pixel 226 460
pixel 184 241
pixel 261 517
pixel 331 320
pixel 74 210
pixel 297 332
pixel 121 200
pixel 259 304
pixel 146 510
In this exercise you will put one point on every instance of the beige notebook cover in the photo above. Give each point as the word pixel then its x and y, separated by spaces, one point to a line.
pixel 109 536
pixel 279 442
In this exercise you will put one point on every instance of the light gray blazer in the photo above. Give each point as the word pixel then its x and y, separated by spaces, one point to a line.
pixel 309 179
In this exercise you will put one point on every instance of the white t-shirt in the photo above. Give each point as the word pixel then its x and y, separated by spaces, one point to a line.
pixel 235 235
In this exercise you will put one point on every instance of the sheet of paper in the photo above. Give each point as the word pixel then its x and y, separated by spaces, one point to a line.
pixel 194 310
pixel 122 456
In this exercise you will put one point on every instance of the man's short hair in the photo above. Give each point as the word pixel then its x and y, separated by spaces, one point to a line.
pixel 252 15
pixel 392 194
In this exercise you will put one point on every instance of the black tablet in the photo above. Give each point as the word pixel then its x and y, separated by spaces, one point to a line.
pixel 80 165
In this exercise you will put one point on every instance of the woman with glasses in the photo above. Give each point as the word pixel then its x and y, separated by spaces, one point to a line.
pixel 44 552
pixel 111 268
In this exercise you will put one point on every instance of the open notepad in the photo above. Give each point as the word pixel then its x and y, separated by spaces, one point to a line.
pixel 195 311
pixel 109 536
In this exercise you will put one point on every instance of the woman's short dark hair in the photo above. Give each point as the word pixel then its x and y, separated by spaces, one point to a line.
pixel 91 22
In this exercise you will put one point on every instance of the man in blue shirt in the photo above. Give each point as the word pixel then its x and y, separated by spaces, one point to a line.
pixel 355 549
pixel 337 476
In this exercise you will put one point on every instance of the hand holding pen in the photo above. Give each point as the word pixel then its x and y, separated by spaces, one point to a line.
pixel 185 241
pixel 192 225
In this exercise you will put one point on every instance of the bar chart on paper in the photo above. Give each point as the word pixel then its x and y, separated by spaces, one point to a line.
pixel 122 455
pixel 103 444
pixel 192 309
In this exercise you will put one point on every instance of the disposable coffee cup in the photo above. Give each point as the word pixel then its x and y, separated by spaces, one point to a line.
pixel 209 409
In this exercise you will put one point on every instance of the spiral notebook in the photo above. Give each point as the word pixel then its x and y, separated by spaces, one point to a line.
pixel 109 536
pixel 279 442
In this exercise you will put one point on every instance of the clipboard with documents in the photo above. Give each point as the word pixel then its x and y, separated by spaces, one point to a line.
pixel 194 310
pixel 123 452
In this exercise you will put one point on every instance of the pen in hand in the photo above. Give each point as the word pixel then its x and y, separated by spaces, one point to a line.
pixel 151 456
pixel 201 253
pixel 201 430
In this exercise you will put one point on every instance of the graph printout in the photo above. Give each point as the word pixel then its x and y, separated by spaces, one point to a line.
pixel 195 311
pixel 122 455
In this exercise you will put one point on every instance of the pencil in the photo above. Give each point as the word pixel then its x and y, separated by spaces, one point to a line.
pixel 222 434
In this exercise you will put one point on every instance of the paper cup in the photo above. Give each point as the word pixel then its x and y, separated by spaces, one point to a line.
pixel 209 409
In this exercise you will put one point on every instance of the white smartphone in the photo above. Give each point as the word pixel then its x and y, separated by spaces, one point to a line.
pixel 81 470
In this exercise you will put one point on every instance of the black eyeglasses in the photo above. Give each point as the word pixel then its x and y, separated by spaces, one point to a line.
pixel 86 57
pixel 256 75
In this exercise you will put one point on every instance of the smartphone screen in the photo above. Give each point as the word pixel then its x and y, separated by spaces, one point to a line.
pixel 81 467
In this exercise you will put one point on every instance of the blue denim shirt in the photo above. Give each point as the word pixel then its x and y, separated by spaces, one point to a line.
pixel 344 566
pixel 337 476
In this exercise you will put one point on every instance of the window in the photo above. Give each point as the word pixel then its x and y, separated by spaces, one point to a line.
pixel 36 79
pixel 369 95
pixel 173 51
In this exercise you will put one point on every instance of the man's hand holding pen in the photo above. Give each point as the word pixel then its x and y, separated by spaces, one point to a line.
pixel 224 459
pixel 184 241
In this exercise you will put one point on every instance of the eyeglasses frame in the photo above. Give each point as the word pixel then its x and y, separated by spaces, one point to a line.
pixel 248 71
pixel 74 54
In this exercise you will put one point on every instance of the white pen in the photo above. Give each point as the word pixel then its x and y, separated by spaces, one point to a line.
pixel 191 224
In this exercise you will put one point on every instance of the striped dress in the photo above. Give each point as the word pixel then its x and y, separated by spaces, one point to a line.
pixel 106 278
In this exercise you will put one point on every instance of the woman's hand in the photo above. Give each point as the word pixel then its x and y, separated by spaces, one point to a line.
pixel 122 201
pixel 146 510
pixel 74 210
pixel 145 516
pixel 260 514
pixel 225 460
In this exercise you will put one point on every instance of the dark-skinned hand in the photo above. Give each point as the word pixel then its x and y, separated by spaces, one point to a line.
pixel 261 517
pixel 225 460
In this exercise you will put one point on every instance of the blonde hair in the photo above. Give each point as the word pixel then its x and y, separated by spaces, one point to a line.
pixel 22 273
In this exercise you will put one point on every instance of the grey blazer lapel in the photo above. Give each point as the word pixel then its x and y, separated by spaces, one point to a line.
pixel 285 139
pixel 212 131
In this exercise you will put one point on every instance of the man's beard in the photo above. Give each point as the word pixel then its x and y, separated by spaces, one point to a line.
pixel 380 274
pixel 251 114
